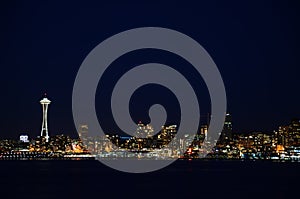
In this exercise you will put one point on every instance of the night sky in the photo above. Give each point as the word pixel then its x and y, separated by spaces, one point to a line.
pixel 42 45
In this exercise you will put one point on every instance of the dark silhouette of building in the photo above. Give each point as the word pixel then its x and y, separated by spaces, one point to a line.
pixel 226 134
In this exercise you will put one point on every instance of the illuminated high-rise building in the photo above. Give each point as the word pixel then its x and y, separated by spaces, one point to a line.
pixel 83 131
pixel 168 132
pixel 288 136
pixel 144 131
pixel 203 131
pixel 44 132
pixel 281 137
pixel 226 134
pixel 293 136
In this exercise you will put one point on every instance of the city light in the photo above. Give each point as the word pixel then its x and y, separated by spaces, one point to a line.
pixel 280 145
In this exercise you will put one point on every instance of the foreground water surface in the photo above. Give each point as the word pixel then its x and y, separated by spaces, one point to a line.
pixel 182 179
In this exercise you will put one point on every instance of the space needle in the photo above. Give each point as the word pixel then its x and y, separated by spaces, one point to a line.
pixel 44 132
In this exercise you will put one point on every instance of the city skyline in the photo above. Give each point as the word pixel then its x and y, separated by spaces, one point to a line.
pixel 282 144
pixel 227 128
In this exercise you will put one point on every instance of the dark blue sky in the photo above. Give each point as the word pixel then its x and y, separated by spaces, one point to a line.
pixel 254 44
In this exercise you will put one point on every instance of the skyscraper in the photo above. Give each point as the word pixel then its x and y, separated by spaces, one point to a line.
pixel 83 131
pixel 294 133
pixel 144 131
pixel 226 134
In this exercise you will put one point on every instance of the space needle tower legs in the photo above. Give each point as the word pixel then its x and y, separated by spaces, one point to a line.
pixel 44 132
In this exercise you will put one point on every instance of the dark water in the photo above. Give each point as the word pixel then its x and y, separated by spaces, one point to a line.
pixel 183 179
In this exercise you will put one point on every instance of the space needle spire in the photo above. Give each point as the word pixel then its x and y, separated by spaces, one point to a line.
pixel 45 102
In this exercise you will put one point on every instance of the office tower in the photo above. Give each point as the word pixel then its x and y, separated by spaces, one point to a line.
pixel 83 131
pixel 144 131
pixel 226 134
